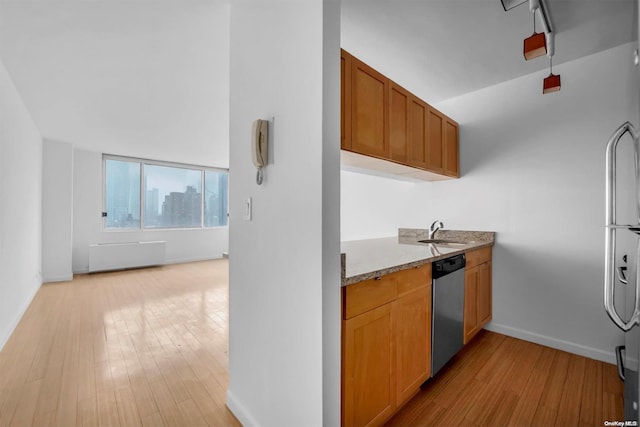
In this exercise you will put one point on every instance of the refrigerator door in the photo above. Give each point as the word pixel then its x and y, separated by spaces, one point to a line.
pixel 627 271
pixel 632 337
pixel 621 214
pixel 627 258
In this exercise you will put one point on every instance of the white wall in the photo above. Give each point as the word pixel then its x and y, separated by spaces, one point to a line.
pixel 533 171
pixel 283 273
pixel 20 212
pixel 57 211
pixel 331 264
pixel 374 206
pixel 182 245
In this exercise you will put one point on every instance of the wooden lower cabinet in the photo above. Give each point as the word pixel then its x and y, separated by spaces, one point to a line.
pixel 477 299
pixel 412 316
pixel 386 350
pixel 369 392
pixel 386 336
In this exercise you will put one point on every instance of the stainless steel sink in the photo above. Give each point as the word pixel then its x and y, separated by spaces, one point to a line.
pixel 442 242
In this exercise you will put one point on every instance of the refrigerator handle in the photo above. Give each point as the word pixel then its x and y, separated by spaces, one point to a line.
pixel 611 226
pixel 622 276
pixel 620 361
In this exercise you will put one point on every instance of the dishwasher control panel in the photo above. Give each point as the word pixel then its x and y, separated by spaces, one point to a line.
pixel 448 265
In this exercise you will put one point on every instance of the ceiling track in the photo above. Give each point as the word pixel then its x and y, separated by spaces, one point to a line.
pixel 540 8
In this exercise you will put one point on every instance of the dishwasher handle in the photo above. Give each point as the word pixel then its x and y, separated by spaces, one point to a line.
pixel 446 266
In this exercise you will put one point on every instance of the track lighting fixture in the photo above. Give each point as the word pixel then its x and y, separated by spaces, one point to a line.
pixel 539 44
pixel 510 4
pixel 536 44
pixel 551 83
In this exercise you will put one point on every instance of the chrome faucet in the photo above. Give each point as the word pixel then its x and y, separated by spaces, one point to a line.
pixel 434 227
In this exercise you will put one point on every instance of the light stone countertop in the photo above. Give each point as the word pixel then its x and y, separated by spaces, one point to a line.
pixel 366 259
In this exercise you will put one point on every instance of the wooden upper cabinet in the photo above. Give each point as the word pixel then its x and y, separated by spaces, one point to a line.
pixel 399 99
pixel 345 100
pixel 418 131
pixel 369 110
pixel 381 119
pixel 435 139
pixel 451 151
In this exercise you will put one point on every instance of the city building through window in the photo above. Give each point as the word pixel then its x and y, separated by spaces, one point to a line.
pixel 145 194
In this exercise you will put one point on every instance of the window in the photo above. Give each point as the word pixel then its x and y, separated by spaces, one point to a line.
pixel 122 181
pixel 163 195
pixel 173 197
pixel 215 199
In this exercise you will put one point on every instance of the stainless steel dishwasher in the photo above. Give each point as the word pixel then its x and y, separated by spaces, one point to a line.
pixel 448 306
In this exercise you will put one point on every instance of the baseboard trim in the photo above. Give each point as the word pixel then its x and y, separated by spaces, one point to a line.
pixel 240 411
pixel 65 278
pixel 6 334
pixel 185 260
pixel 571 347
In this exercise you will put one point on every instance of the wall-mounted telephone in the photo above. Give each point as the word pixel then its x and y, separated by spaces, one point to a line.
pixel 260 142
pixel 260 146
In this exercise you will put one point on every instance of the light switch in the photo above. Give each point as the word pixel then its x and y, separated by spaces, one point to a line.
pixel 247 210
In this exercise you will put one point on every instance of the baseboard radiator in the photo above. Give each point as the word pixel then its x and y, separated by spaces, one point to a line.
pixel 120 256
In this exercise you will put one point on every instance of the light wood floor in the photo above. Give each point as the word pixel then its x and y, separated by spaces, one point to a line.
pixel 142 347
pixel 149 347
pixel 501 381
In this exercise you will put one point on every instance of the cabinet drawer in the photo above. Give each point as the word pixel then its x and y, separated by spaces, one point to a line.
pixel 413 278
pixel 369 294
pixel 478 256
pixel 372 293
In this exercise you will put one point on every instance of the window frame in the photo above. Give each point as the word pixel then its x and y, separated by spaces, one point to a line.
pixel 142 162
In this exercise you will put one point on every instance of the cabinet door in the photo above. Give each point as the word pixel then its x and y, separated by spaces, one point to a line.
pixel 418 122
pixel 484 294
pixel 470 303
pixel 435 139
pixel 369 390
pixel 477 299
pixel 398 123
pixel 412 317
pixel 345 100
pixel 451 152
pixel 369 111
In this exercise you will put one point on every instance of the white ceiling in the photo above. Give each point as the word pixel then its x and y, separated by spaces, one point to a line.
pixel 138 76
pixel 440 49
pixel 143 78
